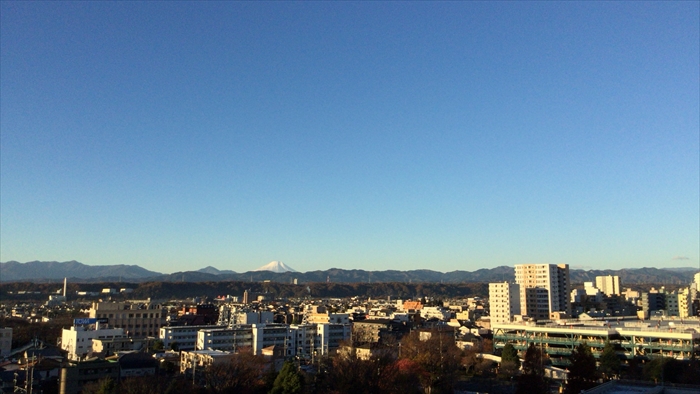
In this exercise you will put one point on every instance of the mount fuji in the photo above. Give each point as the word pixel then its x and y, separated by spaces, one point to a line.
pixel 276 266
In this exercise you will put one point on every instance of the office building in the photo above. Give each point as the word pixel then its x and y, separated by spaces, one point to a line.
pixel 138 320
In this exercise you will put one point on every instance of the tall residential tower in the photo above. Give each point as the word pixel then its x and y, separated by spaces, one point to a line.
pixel 544 289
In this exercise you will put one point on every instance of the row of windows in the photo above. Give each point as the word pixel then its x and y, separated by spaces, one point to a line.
pixel 130 315
pixel 93 371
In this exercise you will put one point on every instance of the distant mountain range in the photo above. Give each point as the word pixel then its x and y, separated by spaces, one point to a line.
pixel 13 271
pixel 48 271
pixel 214 271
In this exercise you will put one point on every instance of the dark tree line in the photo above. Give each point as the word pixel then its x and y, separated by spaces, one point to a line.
pixel 585 372
pixel 168 290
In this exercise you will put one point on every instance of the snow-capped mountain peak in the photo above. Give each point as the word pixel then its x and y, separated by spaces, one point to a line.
pixel 276 266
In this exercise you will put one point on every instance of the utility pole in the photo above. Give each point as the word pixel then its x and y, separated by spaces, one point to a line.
pixel 194 369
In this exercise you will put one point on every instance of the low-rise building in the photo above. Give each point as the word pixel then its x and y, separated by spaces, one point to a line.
pixel 105 347
pixel 78 340
pixel 137 364
pixel 181 337
pixel 76 374
pixel 229 339
pixel 198 360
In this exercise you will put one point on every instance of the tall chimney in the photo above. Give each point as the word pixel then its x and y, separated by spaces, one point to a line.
pixel 65 281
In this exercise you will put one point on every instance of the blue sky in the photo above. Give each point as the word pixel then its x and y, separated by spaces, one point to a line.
pixel 457 135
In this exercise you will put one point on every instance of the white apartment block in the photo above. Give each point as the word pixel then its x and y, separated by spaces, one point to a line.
pixel 307 340
pixel 593 292
pixel 679 303
pixel 227 339
pixel 77 340
pixel 299 339
pixel 552 286
pixel 321 318
pixel 608 285
pixel 182 337
pixel 504 301
pixel 435 312
pixel 331 335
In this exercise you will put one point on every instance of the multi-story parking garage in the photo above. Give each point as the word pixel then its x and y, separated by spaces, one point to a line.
pixel 632 339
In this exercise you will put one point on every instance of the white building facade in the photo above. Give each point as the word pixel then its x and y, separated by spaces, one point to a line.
pixel 504 301
pixel 181 337
pixel 77 340
pixel 551 284
pixel 608 285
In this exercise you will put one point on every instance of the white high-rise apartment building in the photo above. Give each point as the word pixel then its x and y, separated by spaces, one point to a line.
pixel 504 301
pixel 608 285
pixel 544 288
pixel 679 303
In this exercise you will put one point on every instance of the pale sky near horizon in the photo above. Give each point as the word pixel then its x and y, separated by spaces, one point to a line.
pixel 368 135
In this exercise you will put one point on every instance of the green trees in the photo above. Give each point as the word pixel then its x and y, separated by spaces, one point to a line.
pixel 669 370
pixel 510 362
pixel 509 354
pixel 288 381
pixel 582 371
pixel 609 362
pixel 157 346
pixel 532 380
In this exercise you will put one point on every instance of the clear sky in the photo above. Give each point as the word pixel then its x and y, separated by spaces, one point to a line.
pixel 456 135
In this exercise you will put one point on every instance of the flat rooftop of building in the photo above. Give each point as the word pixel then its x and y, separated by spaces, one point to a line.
pixel 617 387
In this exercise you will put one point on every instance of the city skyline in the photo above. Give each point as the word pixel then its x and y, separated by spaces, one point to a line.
pixel 444 136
